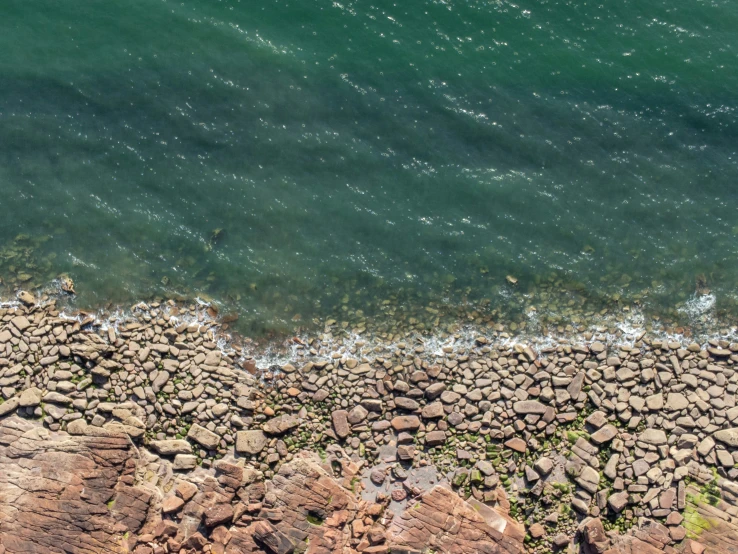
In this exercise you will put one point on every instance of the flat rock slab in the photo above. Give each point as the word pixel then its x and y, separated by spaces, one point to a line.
pixel 529 407
pixel 202 436
pixel 405 423
pixel 79 500
pixel 250 442
pixel 280 424
pixel 171 447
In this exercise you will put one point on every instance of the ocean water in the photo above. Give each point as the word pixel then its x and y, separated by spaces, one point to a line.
pixel 374 160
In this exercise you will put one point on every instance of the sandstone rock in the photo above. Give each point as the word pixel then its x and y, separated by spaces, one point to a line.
pixel 172 504
pixel 184 462
pixel 202 436
pixel 655 437
pixel 340 423
pixel 727 436
pixel 280 424
pixel 676 402
pixel 517 444
pixel 618 501
pixel 529 407
pixel 433 411
pixel 435 438
pixel 171 447
pixel 77 427
pixel 405 423
pixel 9 406
pixel 30 397
pixel 357 414
pixel 251 442
pixel 605 434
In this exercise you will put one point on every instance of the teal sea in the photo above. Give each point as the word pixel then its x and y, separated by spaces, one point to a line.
pixel 359 160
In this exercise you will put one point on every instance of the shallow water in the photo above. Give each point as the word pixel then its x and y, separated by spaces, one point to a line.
pixel 374 156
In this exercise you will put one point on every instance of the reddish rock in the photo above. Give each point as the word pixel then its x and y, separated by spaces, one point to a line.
pixel 55 489
pixel 172 504
pixel 406 423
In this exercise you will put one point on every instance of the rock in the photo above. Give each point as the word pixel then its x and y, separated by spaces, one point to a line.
pixel 251 442
pixel 56 398
pixel 655 437
pixel 727 436
pixel 280 424
pixel 9 406
pixel 30 397
pixel 272 540
pixel 529 407
pixel 618 501
pixel 77 427
pixel 26 297
pixel 340 423
pixel 433 411
pixel 604 434
pixel 172 504
pixel 184 462
pixel 171 447
pixel 357 414
pixel 60 491
pixel 597 419
pixel 703 449
pixel 434 390
pixel 544 466
pixel 517 444
pixel 202 436
pixel 435 438
pixel 676 402
pixel 405 423
pixel 575 387
pixel 407 404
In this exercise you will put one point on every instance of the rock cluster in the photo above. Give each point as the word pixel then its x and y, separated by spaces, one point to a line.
pixel 549 438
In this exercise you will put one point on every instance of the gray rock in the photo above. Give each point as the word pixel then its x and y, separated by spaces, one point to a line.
pixel 605 434
pixel 171 447
pixel 435 438
pixel 280 424
pixel 655 437
pixel 432 411
pixel 676 402
pixel 406 403
pixel 727 436
pixel 357 414
pixel 544 465
pixel 30 397
pixel 340 423
pixel 529 407
pixel 206 438
pixel 184 462
pixel 251 442
pixel 618 501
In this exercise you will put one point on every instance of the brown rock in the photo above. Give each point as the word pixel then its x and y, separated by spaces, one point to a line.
pixel 405 423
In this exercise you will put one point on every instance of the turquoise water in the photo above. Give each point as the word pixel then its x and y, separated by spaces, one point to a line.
pixel 359 155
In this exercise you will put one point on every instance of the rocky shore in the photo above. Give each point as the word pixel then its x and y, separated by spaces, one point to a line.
pixel 158 433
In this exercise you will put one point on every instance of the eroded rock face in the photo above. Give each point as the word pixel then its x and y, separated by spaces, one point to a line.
pixel 443 522
pixel 62 493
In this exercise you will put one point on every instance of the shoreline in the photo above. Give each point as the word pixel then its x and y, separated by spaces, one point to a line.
pixel 603 427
